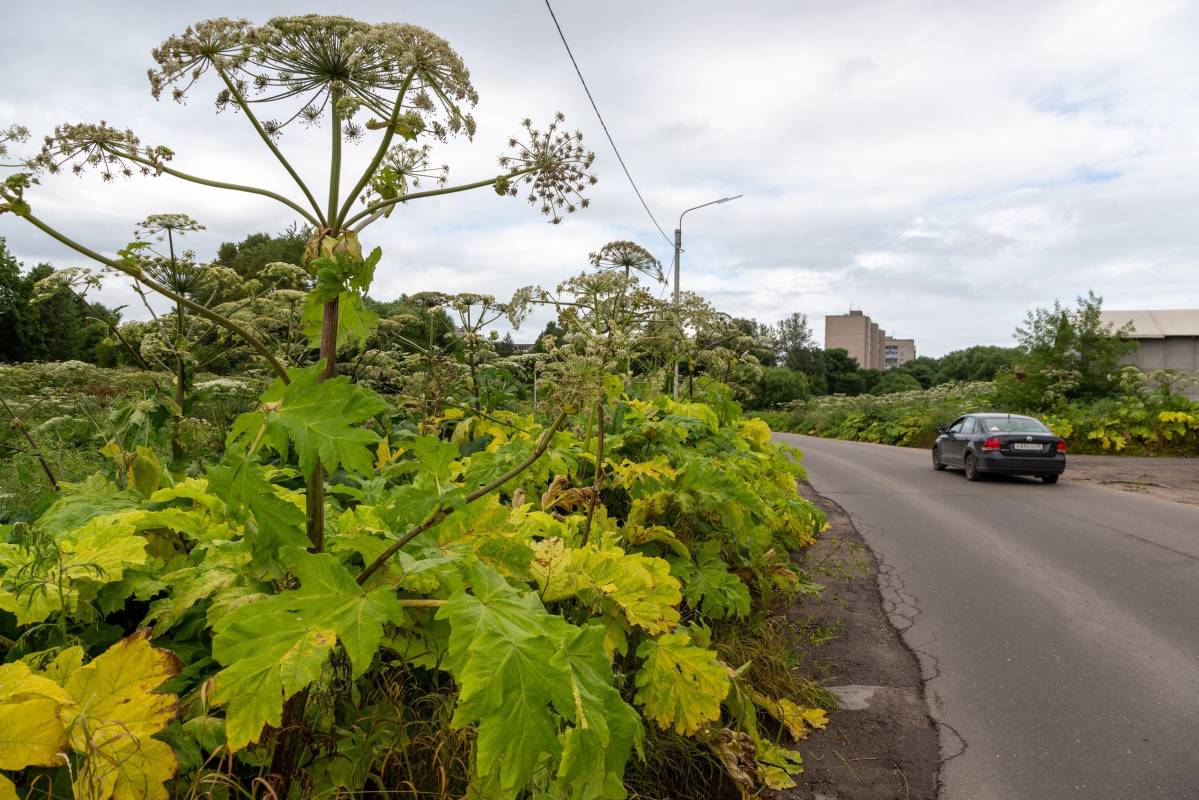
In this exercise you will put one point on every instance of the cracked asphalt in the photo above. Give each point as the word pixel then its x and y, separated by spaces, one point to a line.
pixel 1057 627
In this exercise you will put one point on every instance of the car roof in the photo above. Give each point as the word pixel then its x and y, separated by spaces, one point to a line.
pixel 998 414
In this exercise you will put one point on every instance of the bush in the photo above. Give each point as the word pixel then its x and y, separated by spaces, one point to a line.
pixel 895 381
pixel 779 386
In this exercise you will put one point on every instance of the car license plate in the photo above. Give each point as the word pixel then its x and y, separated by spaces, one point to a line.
pixel 1026 446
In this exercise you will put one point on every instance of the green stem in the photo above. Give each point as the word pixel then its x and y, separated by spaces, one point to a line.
pixel 245 107
pixel 598 483
pixel 379 153
pixel 444 511
pixel 236 187
pixel 334 168
pixel 139 276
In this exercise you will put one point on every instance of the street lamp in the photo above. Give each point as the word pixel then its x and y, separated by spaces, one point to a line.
pixel 678 250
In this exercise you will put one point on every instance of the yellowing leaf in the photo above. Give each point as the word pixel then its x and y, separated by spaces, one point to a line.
pixel 117 688
pixel 31 734
pixel 627 473
pixel 777 764
pixel 145 471
pixel 640 587
pixel 680 685
pixel 8 791
pixel 798 721
pixel 18 682
pixel 114 712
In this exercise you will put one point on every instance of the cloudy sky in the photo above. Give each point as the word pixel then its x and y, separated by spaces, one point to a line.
pixel 944 166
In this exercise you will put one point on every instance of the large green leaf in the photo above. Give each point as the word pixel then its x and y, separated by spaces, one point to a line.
pixel 278 522
pixel 323 420
pixel 709 586
pixel 277 646
pixel 537 688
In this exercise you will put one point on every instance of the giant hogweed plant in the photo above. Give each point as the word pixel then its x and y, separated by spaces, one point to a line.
pixel 232 632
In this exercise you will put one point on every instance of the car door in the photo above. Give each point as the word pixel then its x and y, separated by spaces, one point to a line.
pixel 953 445
pixel 971 429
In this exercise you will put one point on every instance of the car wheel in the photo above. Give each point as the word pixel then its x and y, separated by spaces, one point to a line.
pixel 1049 478
pixel 970 468
pixel 937 465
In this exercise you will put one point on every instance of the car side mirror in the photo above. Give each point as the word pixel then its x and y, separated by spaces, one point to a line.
pixel 941 431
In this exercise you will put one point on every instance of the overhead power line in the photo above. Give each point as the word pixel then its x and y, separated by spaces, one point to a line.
pixel 604 125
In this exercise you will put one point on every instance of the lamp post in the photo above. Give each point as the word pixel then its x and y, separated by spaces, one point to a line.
pixel 678 250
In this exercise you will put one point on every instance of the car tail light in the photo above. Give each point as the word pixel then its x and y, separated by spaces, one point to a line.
pixel 991 445
pixel 1061 446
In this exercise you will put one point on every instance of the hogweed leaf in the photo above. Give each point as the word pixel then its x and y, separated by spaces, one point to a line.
pixel 501 646
pixel 277 646
pixel 323 421
pixel 679 684
pixel 31 734
pixel 114 714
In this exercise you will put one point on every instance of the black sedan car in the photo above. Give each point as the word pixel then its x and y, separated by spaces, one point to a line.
pixel 1001 443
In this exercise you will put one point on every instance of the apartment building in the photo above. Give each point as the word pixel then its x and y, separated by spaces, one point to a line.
pixel 866 342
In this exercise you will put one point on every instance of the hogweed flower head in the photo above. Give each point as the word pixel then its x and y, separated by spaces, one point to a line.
pixel 401 170
pixel 628 257
pixel 183 59
pixel 319 63
pixel 14 134
pixel 110 150
pixel 553 165
pixel 161 225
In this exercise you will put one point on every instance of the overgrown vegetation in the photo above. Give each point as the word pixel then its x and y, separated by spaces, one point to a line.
pixel 389 559
pixel 1148 416
pixel 1065 369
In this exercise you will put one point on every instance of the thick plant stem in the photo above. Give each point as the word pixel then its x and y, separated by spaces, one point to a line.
pixel 289 744
pixel 444 511
pixel 598 483
pixel 292 729
pixel 137 274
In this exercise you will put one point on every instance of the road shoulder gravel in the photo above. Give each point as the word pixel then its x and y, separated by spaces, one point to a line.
pixel 881 744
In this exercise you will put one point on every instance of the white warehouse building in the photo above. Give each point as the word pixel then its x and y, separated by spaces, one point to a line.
pixel 1169 339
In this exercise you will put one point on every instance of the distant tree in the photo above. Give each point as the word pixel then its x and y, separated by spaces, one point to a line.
pixel 838 369
pixel 15 309
pixel 978 363
pixel 250 256
pixel 894 381
pixel 43 317
pixel 922 368
pixel 795 344
pixel 551 329
pixel 505 346
pixel 1065 354
pixel 778 386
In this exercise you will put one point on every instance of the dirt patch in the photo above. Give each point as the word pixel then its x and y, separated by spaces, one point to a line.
pixel 882 744
pixel 1174 479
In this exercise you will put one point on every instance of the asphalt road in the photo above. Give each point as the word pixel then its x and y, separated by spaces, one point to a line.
pixel 1057 626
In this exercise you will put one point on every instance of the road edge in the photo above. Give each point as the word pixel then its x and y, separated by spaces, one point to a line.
pixel 884 743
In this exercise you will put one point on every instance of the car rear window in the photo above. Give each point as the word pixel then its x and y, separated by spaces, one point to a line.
pixel 1007 424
